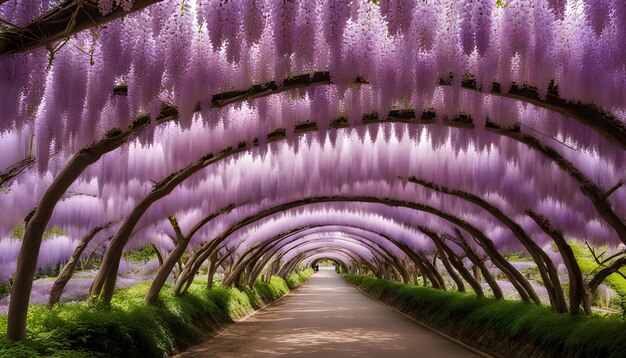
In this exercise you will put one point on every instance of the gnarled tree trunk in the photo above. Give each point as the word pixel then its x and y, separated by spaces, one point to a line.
pixel 168 264
pixel 68 270
pixel 544 264
pixel 444 259
pixel 605 272
pixel 478 262
pixel 577 291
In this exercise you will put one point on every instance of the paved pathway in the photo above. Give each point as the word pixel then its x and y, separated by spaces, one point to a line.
pixel 327 317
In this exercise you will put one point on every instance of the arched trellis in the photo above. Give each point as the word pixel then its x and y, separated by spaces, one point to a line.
pixel 268 247
pixel 287 261
pixel 574 306
pixel 295 261
pixel 317 258
pixel 283 247
pixel 263 257
pixel 21 292
pixel 353 264
pixel 278 239
pixel 417 259
pixel 521 284
pixel 526 139
pixel 184 174
pixel 342 228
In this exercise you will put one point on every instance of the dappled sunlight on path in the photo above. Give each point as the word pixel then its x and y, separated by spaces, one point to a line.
pixel 327 317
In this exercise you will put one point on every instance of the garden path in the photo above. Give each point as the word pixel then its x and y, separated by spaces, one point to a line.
pixel 327 317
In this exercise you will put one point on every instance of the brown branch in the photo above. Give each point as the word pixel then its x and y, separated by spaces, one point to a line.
pixel 261 90
pixel 158 254
pixel 85 262
pixel 613 256
pixel 174 223
pixel 15 170
pixel 577 292
pixel 63 21
pixel 68 270
pixel 613 189
pixel 480 262
pixel 604 273
pixel 448 262
pixel 596 257
pixel 587 114
pixel 546 267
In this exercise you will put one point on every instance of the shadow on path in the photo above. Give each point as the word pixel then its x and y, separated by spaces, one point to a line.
pixel 327 317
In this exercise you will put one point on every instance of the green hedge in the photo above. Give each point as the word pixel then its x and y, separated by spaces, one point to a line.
pixel 297 278
pixel 506 328
pixel 132 328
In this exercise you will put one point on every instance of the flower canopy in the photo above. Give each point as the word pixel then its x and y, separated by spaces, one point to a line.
pixel 340 129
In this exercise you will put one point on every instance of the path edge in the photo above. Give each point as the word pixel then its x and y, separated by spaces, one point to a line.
pixel 222 328
pixel 276 301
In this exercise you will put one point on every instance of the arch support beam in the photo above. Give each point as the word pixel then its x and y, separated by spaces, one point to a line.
pixel 479 262
pixel 260 259
pixel 545 265
pixel 454 260
pixel 63 21
pixel 182 241
pixel 515 276
pixel 577 291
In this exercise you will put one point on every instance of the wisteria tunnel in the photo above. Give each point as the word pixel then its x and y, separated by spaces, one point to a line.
pixel 168 167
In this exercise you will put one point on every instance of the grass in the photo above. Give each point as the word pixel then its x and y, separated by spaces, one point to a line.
pixel 506 324
pixel 132 328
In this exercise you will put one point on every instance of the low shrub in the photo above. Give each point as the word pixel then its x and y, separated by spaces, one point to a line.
pixel 131 328
pixel 140 255
pixel 4 290
pixel 297 278
pixel 508 328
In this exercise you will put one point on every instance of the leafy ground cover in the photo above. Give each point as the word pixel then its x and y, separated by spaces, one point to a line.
pixel 588 266
pixel 132 328
pixel 505 328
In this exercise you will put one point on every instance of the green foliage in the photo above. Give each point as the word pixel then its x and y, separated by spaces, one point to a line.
pixel 465 316
pixel 140 255
pixel 4 290
pixel 588 266
pixel 18 232
pixel 517 256
pixel 297 278
pixel 55 231
pixel 129 327
pixel 17 350
pixel 276 288
pixel 501 4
